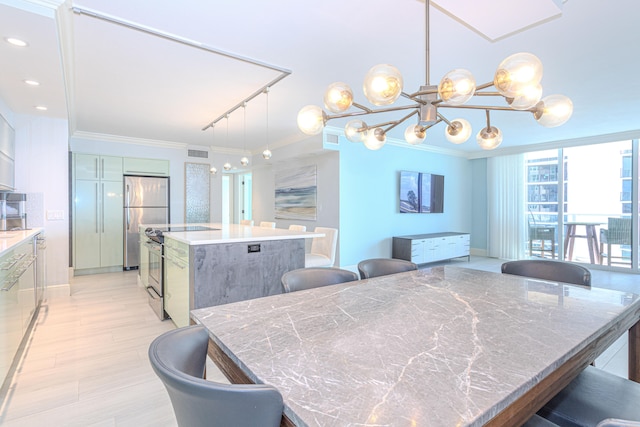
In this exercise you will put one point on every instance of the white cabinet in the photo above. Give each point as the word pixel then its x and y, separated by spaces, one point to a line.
pixel 18 302
pixel 152 167
pixel 176 281
pixel 426 248
pixel 97 213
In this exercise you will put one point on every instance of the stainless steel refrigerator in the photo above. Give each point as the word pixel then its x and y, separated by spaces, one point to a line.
pixel 146 201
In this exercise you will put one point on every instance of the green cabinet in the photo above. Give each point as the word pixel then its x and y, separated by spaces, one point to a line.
pixel 176 281
pixel 152 167
pixel 94 167
pixel 97 212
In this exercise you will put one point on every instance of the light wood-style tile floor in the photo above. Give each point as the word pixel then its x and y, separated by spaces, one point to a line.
pixel 87 365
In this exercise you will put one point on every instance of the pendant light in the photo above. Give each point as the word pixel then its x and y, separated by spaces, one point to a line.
pixel 244 161
pixel 266 154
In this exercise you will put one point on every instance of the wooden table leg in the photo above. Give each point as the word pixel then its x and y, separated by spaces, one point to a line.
pixel 568 241
pixel 634 352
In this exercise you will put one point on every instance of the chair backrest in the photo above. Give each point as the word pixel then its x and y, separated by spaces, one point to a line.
pixel 267 224
pixel 315 277
pixel 178 357
pixel 325 245
pixel 246 222
pixel 298 227
pixel 619 231
pixel 375 267
pixel 556 271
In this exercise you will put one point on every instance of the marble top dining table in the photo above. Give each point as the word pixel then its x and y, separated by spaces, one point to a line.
pixel 445 346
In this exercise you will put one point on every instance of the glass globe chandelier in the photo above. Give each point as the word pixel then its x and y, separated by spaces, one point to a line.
pixel 516 80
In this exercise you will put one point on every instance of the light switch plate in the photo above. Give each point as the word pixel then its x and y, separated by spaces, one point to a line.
pixel 55 215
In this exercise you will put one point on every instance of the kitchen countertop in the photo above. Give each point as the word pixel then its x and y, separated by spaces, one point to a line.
pixel 9 239
pixel 231 233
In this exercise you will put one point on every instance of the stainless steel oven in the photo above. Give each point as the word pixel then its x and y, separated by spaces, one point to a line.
pixel 156 285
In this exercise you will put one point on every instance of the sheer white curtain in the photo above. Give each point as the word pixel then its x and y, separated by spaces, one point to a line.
pixel 507 206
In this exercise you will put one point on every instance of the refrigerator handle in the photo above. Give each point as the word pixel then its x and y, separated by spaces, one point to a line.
pixel 102 207
pixel 97 209
pixel 128 206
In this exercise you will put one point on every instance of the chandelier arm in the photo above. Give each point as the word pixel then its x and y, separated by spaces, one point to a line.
pixel 441 118
pixel 424 92
pixel 362 107
pixel 488 94
pixel 363 113
pixel 484 85
pixel 397 122
pixel 485 107
pixel 413 98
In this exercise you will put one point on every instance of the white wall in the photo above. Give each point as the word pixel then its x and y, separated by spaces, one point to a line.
pixel 42 173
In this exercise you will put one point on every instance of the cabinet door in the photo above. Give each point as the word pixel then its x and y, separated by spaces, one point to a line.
pixel 87 225
pixel 155 167
pixel 176 290
pixel 111 238
pixel 10 319
pixel 111 168
pixel 86 166
pixel 417 251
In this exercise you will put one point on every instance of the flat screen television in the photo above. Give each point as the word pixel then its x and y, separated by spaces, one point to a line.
pixel 421 192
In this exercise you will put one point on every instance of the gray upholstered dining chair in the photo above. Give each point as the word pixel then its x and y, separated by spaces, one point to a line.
pixel 557 271
pixel 314 277
pixel 178 357
pixel 375 267
pixel 595 398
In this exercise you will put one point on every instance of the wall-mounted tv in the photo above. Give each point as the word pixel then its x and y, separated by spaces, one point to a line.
pixel 421 192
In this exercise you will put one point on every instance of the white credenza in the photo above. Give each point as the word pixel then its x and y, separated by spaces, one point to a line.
pixel 426 248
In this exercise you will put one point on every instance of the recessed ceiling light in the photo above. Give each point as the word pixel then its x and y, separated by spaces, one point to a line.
pixel 41 108
pixel 16 42
pixel 32 82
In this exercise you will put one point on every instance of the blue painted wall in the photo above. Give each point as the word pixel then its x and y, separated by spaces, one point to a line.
pixel 369 187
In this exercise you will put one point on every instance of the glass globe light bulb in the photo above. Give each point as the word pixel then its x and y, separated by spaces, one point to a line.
pixel 266 154
pixel 244 161
pixel 355 130
pixel 457 86
pixel 458 132
pixel 553 110
pixel 311 119
pixel 415 134
pixel 489 138
pixel 375 139
pixel 338 97
pixel 517 71
pixel 382 84
pixel 527 98
pixel 227 166
pixel 213 171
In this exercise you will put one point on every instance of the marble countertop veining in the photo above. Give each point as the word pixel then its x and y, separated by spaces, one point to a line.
pixel 445 346
pixel 231 233
pixel 9 239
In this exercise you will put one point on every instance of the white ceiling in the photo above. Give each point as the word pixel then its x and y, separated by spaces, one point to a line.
pixel 114 80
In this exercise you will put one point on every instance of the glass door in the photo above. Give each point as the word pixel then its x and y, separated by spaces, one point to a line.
pixel 597 219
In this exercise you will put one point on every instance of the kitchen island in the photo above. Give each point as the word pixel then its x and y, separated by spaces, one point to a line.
pixel 445 346
pixel 226 264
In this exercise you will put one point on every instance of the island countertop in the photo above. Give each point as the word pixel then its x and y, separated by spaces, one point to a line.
pixel 9 239
pixel 444 346
pixel 230 233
